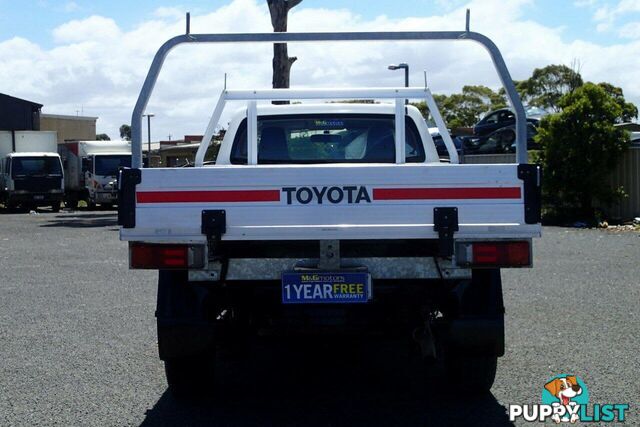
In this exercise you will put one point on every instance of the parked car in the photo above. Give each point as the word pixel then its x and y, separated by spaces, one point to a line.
pixel 502 118
pixel 442 149
pixel 500 141
pixel 439 142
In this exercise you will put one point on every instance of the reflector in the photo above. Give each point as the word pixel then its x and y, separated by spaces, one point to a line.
pixel 503 253
pixel 158 256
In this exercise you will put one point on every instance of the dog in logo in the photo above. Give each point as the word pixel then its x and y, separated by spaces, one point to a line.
pixel 564 389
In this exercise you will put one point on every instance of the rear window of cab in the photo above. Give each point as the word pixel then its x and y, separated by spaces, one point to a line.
pixel 327 138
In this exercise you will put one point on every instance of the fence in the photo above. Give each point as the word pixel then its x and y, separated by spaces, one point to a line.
pixel 626 175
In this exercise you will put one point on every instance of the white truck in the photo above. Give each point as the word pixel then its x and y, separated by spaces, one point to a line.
pixel 30 170
pixel 330 218
pixel 91 170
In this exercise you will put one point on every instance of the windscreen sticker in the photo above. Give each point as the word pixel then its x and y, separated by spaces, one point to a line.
pixel 329 123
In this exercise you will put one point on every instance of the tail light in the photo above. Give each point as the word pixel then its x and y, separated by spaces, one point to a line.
pixel 158 256
pixel 504 253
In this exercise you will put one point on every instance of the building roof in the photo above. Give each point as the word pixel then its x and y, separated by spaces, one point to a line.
pixel 192 146
pixel 66 117
pixel 5 97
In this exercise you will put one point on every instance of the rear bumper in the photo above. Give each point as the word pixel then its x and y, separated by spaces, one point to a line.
pixel 36 198
pixel 106 197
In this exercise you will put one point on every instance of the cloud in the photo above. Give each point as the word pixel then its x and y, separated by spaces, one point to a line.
pixel 93 28
pixel 630 30
pixel 169 12
pixel 99 66
pixel 585 3
pixel 607 15
pixel 71 6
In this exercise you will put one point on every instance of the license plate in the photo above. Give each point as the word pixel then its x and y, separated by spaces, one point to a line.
pixel 322 288
pixel 38 197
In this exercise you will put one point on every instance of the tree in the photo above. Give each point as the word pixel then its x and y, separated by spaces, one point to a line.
pixel 629 111
pixel 279 10
pixel 523 89
pixel 580 148
pixel 125 132
pixel 102 137
pixel 547 85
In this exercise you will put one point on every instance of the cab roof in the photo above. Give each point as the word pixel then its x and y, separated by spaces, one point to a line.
pixel 325 108
pixel 33 154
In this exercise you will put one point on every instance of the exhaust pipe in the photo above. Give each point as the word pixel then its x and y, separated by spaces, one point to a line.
pixel 424 337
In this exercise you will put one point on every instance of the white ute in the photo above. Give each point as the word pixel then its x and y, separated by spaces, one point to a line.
pixel 330 217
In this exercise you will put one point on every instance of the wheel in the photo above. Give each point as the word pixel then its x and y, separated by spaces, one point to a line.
pixel 186 338
pixel 107 206
pixel 55 207
pixel 476 334
pixel 190 376
pixel 471 374
pixel 91 205
pixel 71 203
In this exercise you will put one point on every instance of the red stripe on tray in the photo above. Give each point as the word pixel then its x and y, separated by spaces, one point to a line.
pixel 208 196
pixel 446 193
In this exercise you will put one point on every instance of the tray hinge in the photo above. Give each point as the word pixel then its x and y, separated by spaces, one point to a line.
pixel 445 222
pixel 214 225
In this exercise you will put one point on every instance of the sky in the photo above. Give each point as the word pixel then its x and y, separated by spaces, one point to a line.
pixel 90 57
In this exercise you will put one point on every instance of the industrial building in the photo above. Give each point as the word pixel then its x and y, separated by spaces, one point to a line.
pixel 69 128
pixel 19 114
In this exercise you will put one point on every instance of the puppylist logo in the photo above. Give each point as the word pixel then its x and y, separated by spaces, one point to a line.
pixel 565 399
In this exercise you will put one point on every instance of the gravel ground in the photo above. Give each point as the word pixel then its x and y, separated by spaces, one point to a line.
pixel 78 345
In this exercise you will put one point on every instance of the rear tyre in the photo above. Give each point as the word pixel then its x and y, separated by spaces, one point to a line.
pixel 186 338
pixel 471 357
pixel 190 376
pixel 71 203
pixel 472 375
pixel 55 207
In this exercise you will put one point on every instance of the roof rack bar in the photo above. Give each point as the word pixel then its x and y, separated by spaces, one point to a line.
pixel 156 66
pixel 468 21
pixel 325 93
pixel 400 112
pixel 252 96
